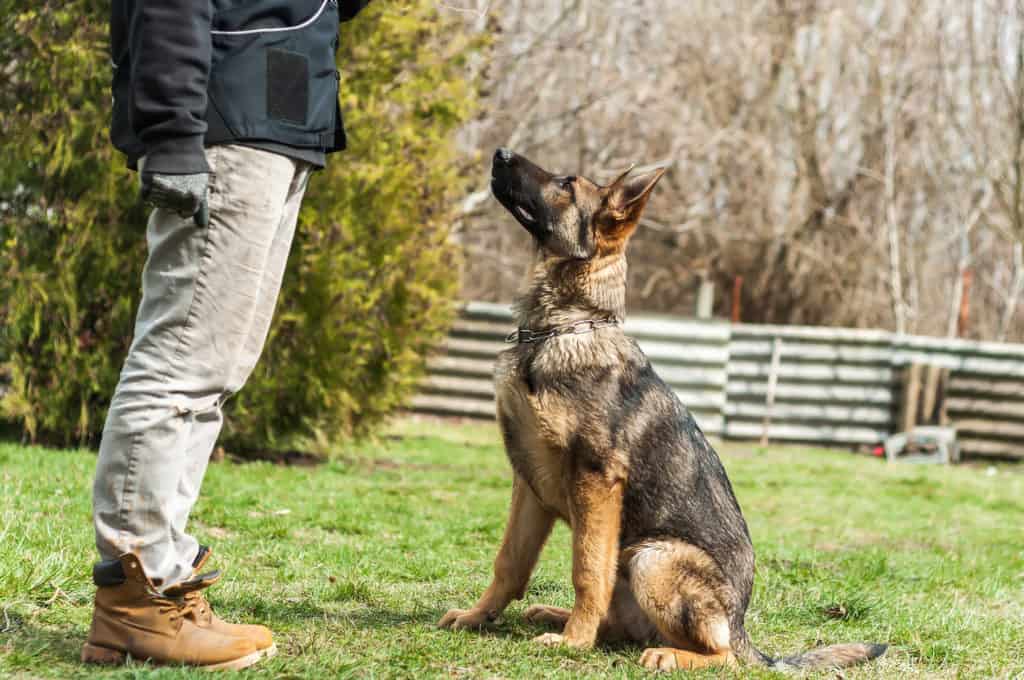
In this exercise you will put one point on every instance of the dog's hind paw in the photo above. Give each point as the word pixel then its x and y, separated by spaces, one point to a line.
pixel 654 659
pixel 550 616
pixel 670 659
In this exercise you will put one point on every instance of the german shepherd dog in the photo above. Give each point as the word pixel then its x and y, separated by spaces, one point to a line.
pixel 661 552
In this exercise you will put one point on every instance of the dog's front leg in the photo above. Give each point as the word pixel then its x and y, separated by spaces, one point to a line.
pixel 529 525
pixel 596 514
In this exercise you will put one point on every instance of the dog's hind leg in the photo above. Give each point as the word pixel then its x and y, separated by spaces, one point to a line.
pixel 625 621
pixel 684 595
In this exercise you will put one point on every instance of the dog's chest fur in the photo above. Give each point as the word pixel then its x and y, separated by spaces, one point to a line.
pixel 549 406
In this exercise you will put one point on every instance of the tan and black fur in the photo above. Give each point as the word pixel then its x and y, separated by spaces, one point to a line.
pixel 661 552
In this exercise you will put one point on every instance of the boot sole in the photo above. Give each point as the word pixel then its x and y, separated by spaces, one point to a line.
pixel 95 654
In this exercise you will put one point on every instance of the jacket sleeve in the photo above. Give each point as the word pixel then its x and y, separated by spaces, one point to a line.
pixel 348 9
pixel 170 65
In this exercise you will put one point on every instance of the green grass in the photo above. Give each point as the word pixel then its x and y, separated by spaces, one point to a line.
pixel 352 562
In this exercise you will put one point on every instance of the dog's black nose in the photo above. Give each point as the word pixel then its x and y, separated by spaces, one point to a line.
pixel 503 156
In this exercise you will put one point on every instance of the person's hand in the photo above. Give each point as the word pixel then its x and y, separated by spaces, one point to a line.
pixel 184 194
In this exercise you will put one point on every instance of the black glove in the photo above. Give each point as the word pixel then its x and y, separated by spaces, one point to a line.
pixel 184 194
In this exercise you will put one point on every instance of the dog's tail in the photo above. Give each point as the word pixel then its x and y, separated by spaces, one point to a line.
pixel 831 657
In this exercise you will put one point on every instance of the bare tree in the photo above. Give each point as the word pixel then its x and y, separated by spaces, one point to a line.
pixel 850 160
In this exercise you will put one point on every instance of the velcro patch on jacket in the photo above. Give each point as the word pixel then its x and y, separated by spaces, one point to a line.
pixel 287 86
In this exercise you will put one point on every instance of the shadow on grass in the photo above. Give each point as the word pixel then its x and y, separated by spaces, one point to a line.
pixel 269 611
pixel 384 617
pixel 288 611
pixel 369 615
pixel 288 457
pixel 33 647
pixel 511 628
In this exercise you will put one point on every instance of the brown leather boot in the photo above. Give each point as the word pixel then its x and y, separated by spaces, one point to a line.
pixel 131 618
pixel 204 616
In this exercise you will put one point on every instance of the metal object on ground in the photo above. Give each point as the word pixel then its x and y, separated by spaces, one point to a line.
pixel 925 444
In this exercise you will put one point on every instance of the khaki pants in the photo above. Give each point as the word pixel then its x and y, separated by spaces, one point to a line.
pixel 208 296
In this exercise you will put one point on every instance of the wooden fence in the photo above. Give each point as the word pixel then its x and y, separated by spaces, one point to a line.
pixel 459 381
pixel 985 395
pixel 832 386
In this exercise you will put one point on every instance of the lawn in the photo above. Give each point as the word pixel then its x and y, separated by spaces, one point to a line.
pixel 353 561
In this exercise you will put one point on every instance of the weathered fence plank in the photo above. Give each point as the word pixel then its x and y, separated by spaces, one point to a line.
pixel 992 408
pixel 963 385
pixel 811 413
pixel 448 405
pixel 844 435
pixel 817 373
pixel 813 352
pixel 740 389
pixel 986 447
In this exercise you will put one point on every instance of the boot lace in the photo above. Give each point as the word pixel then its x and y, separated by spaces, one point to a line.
pixel 176 608
pixel 201 605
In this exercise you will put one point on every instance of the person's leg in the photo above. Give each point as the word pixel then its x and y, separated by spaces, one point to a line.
pixel 270 284
pixel 206 426
pixel 194 322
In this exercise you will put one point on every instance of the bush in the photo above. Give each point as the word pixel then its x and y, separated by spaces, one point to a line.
pixel 370 279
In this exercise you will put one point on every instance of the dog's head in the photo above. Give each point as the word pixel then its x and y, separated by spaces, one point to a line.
pixel 569 216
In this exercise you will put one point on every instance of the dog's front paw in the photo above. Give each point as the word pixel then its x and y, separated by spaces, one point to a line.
pixel 467 619
pixel 550 639
pixel 559 640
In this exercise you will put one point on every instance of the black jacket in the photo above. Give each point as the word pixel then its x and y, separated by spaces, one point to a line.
pixel 188 73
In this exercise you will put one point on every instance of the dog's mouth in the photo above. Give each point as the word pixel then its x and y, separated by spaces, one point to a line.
pixel 524 215
pixel 521 207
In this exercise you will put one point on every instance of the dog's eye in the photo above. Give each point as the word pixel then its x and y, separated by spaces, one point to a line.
pixel 567 183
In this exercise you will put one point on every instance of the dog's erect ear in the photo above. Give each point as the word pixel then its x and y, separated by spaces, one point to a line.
pixel 624 200
pixel 628 194
pixel 622 175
